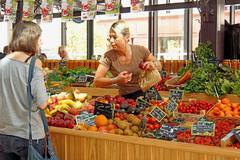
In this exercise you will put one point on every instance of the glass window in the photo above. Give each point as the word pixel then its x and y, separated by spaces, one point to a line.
pixel 5 29
pixel 139 35
pixel 171 34
pixel 51 38
pixel 102 24
pixel 227 13
pixel 77 40
pixel 196 28
pixel 237 14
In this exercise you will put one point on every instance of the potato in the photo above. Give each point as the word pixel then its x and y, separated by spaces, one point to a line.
pixel 128 132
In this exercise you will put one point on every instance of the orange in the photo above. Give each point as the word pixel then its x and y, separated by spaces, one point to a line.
pixel 101 120
pixel 92 128
pixel 225 101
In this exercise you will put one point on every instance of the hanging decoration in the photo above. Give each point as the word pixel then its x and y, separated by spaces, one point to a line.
pixel 112 6
pixel 28 10
pixel 67 10
pixel 47 10
pixel 137 5
pixel 10 10
pixel 89 9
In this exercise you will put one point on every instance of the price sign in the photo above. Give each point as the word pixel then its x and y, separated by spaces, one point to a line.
pixel 236 132
pixel 175 94
pixel 158 114
pixel 213 60
pixel 87 118
pixel 62 64
pixel 152 94
pixel 168 132
pixel 203 128
pixel 172 105
pixel 82 79
pixel 104 108
pixel 141 103
pixel 197 63
pixel 163 74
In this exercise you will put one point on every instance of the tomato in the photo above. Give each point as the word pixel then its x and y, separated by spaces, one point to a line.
pixel 156 126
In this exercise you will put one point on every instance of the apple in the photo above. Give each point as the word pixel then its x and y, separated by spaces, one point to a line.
pixel 141 65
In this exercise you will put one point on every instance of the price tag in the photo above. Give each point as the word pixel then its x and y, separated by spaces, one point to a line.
pixel 172 105
pixel 104 108
pixel 152 94
pixel 141 103
pixel 213 61
pixel 203 128
pixel 197 63
pixel 163 74
pixel 82 79
pixel 87 118
pixel 236 132
pixel 168 132
pixel 62 64
pixel 158 114
pixel 175 94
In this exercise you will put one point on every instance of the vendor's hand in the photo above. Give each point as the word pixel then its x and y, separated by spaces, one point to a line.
pixel 124 77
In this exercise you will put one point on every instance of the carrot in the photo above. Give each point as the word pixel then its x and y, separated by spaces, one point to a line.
pixel 186 76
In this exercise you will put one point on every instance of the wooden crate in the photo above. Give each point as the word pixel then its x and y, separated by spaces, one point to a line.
pixel 72 144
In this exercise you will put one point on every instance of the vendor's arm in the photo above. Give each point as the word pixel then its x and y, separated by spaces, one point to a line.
pixel 102 81
pixel 151 63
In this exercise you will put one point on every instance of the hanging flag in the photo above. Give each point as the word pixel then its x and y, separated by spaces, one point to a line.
pixel 10 10
pixel 28 10
pixel 67 10
pixel 137 5
pixel 47 10
pixel 89 9
pixel 112 6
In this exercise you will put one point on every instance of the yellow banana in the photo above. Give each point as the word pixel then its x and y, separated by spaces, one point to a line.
pixel 63 111
pixel 68 102
pixel 65 106
pixel 53 112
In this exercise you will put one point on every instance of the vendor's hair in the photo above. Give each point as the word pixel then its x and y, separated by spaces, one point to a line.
pixel 25 37
pixel 122 27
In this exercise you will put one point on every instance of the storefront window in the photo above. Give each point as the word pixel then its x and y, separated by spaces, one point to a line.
pixel 227 13
pixel 5 34
pixel 139 35
pixel 237 14
pixel 51 38
pixel 171 34
pixel 102 24
pixel 77 40
pixel 196 28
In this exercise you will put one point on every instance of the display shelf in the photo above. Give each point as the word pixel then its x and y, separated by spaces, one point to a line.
pixel 72 144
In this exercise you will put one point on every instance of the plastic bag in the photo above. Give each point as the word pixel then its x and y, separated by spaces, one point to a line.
pixel 148 79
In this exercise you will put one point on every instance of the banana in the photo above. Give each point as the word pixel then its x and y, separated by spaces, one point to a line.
pixel 65 106
pixel 53 112
pixel 69 102
pixel 63 111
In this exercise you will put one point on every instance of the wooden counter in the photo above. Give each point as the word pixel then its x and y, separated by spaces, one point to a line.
pixel 72 144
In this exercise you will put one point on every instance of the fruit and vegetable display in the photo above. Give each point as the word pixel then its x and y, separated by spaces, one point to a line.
pixel 206 75
pixel 142 118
